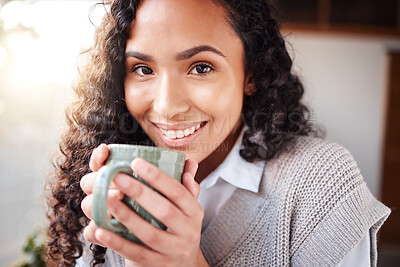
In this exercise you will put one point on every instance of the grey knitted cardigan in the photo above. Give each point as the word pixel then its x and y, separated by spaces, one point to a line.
pixel 312 208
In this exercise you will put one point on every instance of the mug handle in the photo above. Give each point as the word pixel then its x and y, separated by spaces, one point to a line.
pixel 100 196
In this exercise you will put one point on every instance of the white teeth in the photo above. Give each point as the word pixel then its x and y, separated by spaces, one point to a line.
pixel 171 134
pixel 186 132
pixel 179 134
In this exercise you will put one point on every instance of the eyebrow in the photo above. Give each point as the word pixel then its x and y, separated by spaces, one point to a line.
pixel 191 52
pixel 197 49
pixel 139 56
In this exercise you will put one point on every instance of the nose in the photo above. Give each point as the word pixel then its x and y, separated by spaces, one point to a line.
pixel 170 98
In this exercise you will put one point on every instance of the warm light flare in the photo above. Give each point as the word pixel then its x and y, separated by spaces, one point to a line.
pixel 3 55
pixel 16 12
pixel 45 38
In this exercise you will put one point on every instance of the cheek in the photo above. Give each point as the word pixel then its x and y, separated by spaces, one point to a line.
pixel 135 107
pixel 222 98
pixel 229 107
pixel 223 108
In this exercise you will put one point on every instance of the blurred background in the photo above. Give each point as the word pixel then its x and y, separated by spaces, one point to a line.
pixel 347 52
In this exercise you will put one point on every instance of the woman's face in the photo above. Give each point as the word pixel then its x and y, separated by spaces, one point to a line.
pixel 184 75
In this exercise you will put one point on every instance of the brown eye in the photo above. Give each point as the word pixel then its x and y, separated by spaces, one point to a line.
pixel 201 69
pixel 143 70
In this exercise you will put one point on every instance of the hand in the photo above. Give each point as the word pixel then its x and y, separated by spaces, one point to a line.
pixel 97 160
pixel 178 210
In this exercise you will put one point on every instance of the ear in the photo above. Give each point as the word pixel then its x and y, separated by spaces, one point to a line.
pixel 249 87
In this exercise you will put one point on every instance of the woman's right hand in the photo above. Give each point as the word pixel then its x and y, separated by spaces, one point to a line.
pixel 97 160
pixel 187 217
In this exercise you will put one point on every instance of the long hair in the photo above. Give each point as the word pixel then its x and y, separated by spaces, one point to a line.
pixel 273 111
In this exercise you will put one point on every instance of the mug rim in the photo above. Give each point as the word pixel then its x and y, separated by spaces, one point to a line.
pixel 133 148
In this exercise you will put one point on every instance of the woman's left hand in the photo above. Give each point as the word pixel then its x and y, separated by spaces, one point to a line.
pixel 178 210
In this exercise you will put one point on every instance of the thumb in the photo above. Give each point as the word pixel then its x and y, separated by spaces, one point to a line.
pixel 188 178
pixel 98 157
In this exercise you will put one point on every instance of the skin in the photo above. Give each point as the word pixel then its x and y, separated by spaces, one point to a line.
pixel 167 82
pixel 175 92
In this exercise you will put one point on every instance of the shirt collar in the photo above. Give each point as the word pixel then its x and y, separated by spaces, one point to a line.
pixel 237 171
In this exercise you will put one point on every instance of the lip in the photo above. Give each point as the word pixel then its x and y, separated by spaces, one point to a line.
pixel 180 142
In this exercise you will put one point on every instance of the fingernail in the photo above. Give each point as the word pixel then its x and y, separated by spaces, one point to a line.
pixel 102 148
pixel 115 193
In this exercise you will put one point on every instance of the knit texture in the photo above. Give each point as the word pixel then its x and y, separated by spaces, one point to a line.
pixel 312 208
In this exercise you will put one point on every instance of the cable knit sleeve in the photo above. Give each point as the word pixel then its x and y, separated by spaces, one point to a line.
pixel 334 208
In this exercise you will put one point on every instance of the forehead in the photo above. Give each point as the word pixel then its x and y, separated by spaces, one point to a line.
pixel 180 23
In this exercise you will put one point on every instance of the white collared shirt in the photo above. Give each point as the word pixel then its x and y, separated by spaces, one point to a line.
pixel 235 172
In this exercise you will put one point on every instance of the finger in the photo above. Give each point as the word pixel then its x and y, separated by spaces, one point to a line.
pixel 191 185
pixel 191 166
pixel 129 250
pixel 166 185
pixel 87 202
pixel 98 157
pixel 153 237
pixel 87 182
pixel 188 178
pixel 156 204
pixel 86 206
pixel 88 233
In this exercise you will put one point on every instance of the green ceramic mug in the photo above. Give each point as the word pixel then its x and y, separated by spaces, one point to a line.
pixel 119 160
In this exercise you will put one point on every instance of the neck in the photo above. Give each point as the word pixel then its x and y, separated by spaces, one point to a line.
pixel 210 163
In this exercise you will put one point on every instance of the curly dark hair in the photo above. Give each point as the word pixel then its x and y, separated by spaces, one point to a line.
pixel 273 111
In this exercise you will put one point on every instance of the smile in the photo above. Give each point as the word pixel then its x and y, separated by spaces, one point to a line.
pixel 181 133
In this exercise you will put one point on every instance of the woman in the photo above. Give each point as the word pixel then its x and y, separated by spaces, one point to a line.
pixel 211 79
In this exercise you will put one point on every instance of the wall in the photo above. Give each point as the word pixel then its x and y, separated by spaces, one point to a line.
pixel 345 81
